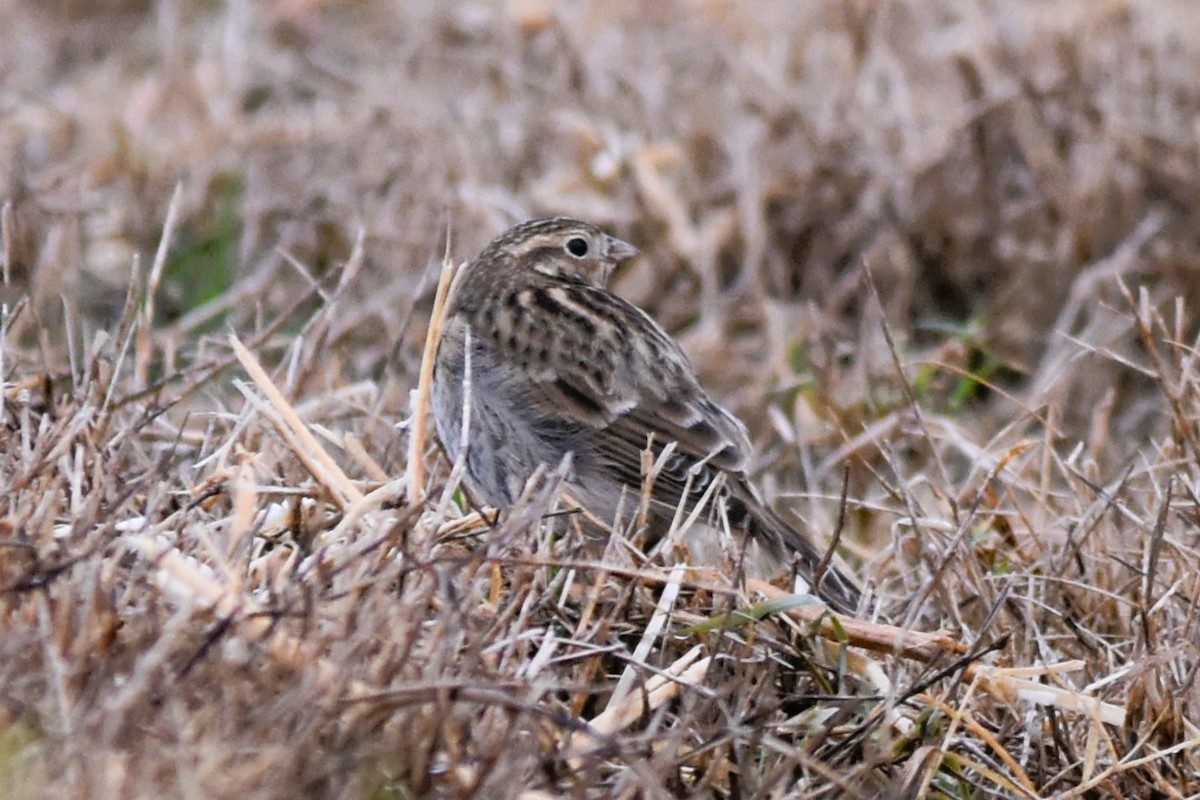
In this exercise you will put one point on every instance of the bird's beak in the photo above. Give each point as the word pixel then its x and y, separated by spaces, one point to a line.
pixel 618 251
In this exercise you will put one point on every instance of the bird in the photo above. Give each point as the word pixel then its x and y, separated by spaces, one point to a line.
pixel 554 366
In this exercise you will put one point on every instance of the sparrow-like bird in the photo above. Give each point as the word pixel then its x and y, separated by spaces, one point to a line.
pixel 560 365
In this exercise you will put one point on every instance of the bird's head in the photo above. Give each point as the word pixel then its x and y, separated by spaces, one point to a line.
pixel 561 247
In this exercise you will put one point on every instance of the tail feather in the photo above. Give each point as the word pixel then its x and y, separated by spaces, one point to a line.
pixel 840 591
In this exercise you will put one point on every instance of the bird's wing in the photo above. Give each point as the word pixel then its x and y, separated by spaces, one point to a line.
pixel 608 372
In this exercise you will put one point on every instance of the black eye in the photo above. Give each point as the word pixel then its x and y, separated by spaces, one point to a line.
pixel 577 246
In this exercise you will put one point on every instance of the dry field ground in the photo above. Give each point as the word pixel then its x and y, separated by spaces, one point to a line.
pixel 943 256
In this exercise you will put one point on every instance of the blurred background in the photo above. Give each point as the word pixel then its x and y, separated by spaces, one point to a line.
pixel 992 165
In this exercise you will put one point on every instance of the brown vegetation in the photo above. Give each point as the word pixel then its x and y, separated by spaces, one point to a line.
pixel 941 256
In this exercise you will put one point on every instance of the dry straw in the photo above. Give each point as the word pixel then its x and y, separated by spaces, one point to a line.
pixel 940 256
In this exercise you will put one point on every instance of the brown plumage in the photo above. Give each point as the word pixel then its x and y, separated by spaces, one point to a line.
pixel 558 365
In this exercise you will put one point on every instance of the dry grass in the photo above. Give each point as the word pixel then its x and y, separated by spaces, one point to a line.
pixel 940 256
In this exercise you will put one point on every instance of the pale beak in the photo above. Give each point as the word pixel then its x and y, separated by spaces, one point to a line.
pixel 619 251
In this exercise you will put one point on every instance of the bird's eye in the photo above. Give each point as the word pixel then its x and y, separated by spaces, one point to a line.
pixel 577 246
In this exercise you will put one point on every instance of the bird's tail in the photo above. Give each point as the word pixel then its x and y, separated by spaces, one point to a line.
pixel 833 585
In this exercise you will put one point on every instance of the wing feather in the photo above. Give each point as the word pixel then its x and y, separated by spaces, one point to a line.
pixel 610 370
